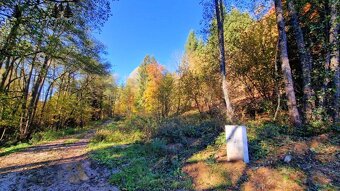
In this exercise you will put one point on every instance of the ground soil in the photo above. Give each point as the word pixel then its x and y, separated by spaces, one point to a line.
pixel 314 166
pixel 58 165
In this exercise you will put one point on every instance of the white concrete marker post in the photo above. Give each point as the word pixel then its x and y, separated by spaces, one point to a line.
pixel 237 144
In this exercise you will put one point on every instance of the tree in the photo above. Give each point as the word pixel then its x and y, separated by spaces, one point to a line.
pixel 334 63
pixel 220 19
pixel 306 63
pixel 155 76
pixel 142 79
pixel 44 45
pixel 165 94
pixel 287 73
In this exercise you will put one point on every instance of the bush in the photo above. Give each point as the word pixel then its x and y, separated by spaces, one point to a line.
pixel 181 130
pixel 144 124
pixel 158 147
pixel 115 136
pixel 46 136
pixel 51 135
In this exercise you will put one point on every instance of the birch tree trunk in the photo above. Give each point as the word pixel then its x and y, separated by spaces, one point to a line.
pixel 287 73
pixel 306 63
pixel 334 43
pixel 220 20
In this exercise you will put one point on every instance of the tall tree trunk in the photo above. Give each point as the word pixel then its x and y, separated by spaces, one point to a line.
pixel 277 80
pixel 323 95
pixel 24 113
pixel 8 69
pixel 49 91
pixel 197 104
pixel 334 64
pixel 9 42
pixel 306 63
pixel 220 20
pixel 36 90
pixel 287 73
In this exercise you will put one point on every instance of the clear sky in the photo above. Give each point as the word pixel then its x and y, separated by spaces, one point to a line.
pixel 155 27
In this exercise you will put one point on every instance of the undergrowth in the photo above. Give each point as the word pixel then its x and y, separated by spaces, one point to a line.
pixel 189 152
pixel 150 156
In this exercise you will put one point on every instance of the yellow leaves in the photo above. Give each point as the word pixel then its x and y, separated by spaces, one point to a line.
pixel 155 76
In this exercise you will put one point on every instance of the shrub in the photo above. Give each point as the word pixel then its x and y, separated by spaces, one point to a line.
pixel 157 146
pixel 146 125
pixel 115 136
pixel 51 135
pixel 181 130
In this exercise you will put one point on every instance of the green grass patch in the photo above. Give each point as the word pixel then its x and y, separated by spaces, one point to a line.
pixel 51 135
pixel 71 141
pixel 41 137
pixel 153 159
pixel 142 165
pixel 13 149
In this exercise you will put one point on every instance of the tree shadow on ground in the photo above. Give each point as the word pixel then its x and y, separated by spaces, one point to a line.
pixel 267 170
pixel 156 163
pixel 59 165
pixel 45 147
pixel 73 173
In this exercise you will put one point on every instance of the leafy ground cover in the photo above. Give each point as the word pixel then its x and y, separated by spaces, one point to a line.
pixel 151 163
pixel 313 164
pixel 189 153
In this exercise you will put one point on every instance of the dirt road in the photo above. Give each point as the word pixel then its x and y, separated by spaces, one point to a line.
pixel 58 165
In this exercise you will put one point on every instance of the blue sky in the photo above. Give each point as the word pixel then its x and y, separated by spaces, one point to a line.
pixel 155 27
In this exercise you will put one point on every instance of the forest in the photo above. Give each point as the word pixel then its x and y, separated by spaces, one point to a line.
pixel 272 66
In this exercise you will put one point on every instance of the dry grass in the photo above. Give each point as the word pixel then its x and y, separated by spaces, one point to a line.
pixel 313 167
pixel 209 169
pixel 266 179
pixel 214 176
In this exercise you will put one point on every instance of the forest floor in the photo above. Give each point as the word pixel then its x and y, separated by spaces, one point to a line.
pixel 288 164
pixel 180 157
pixel 62 164
pixel 189 156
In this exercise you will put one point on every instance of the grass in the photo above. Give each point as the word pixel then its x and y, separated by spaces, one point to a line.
pixel 141 170
pixel 268 144
pixel 154 163
pixel 190 154
pixel 12 149
pixel 146 162
pixel 140 165
pixel 71 141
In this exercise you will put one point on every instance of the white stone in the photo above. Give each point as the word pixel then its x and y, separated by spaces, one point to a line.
pixel 237 144
pixel 287 158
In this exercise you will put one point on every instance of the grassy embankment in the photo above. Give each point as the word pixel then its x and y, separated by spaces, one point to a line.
pixel 189 153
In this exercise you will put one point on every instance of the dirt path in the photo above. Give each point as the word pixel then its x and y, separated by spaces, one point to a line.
pixel 57 165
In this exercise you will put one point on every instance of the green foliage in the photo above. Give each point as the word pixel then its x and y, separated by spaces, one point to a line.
pixel 152 163
pixel 51 134
pixel 58 55
pixel 142 165
pixel 116 136
pixel 138 174
pixel 183 129
pixel 221 139
pixel 192 43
